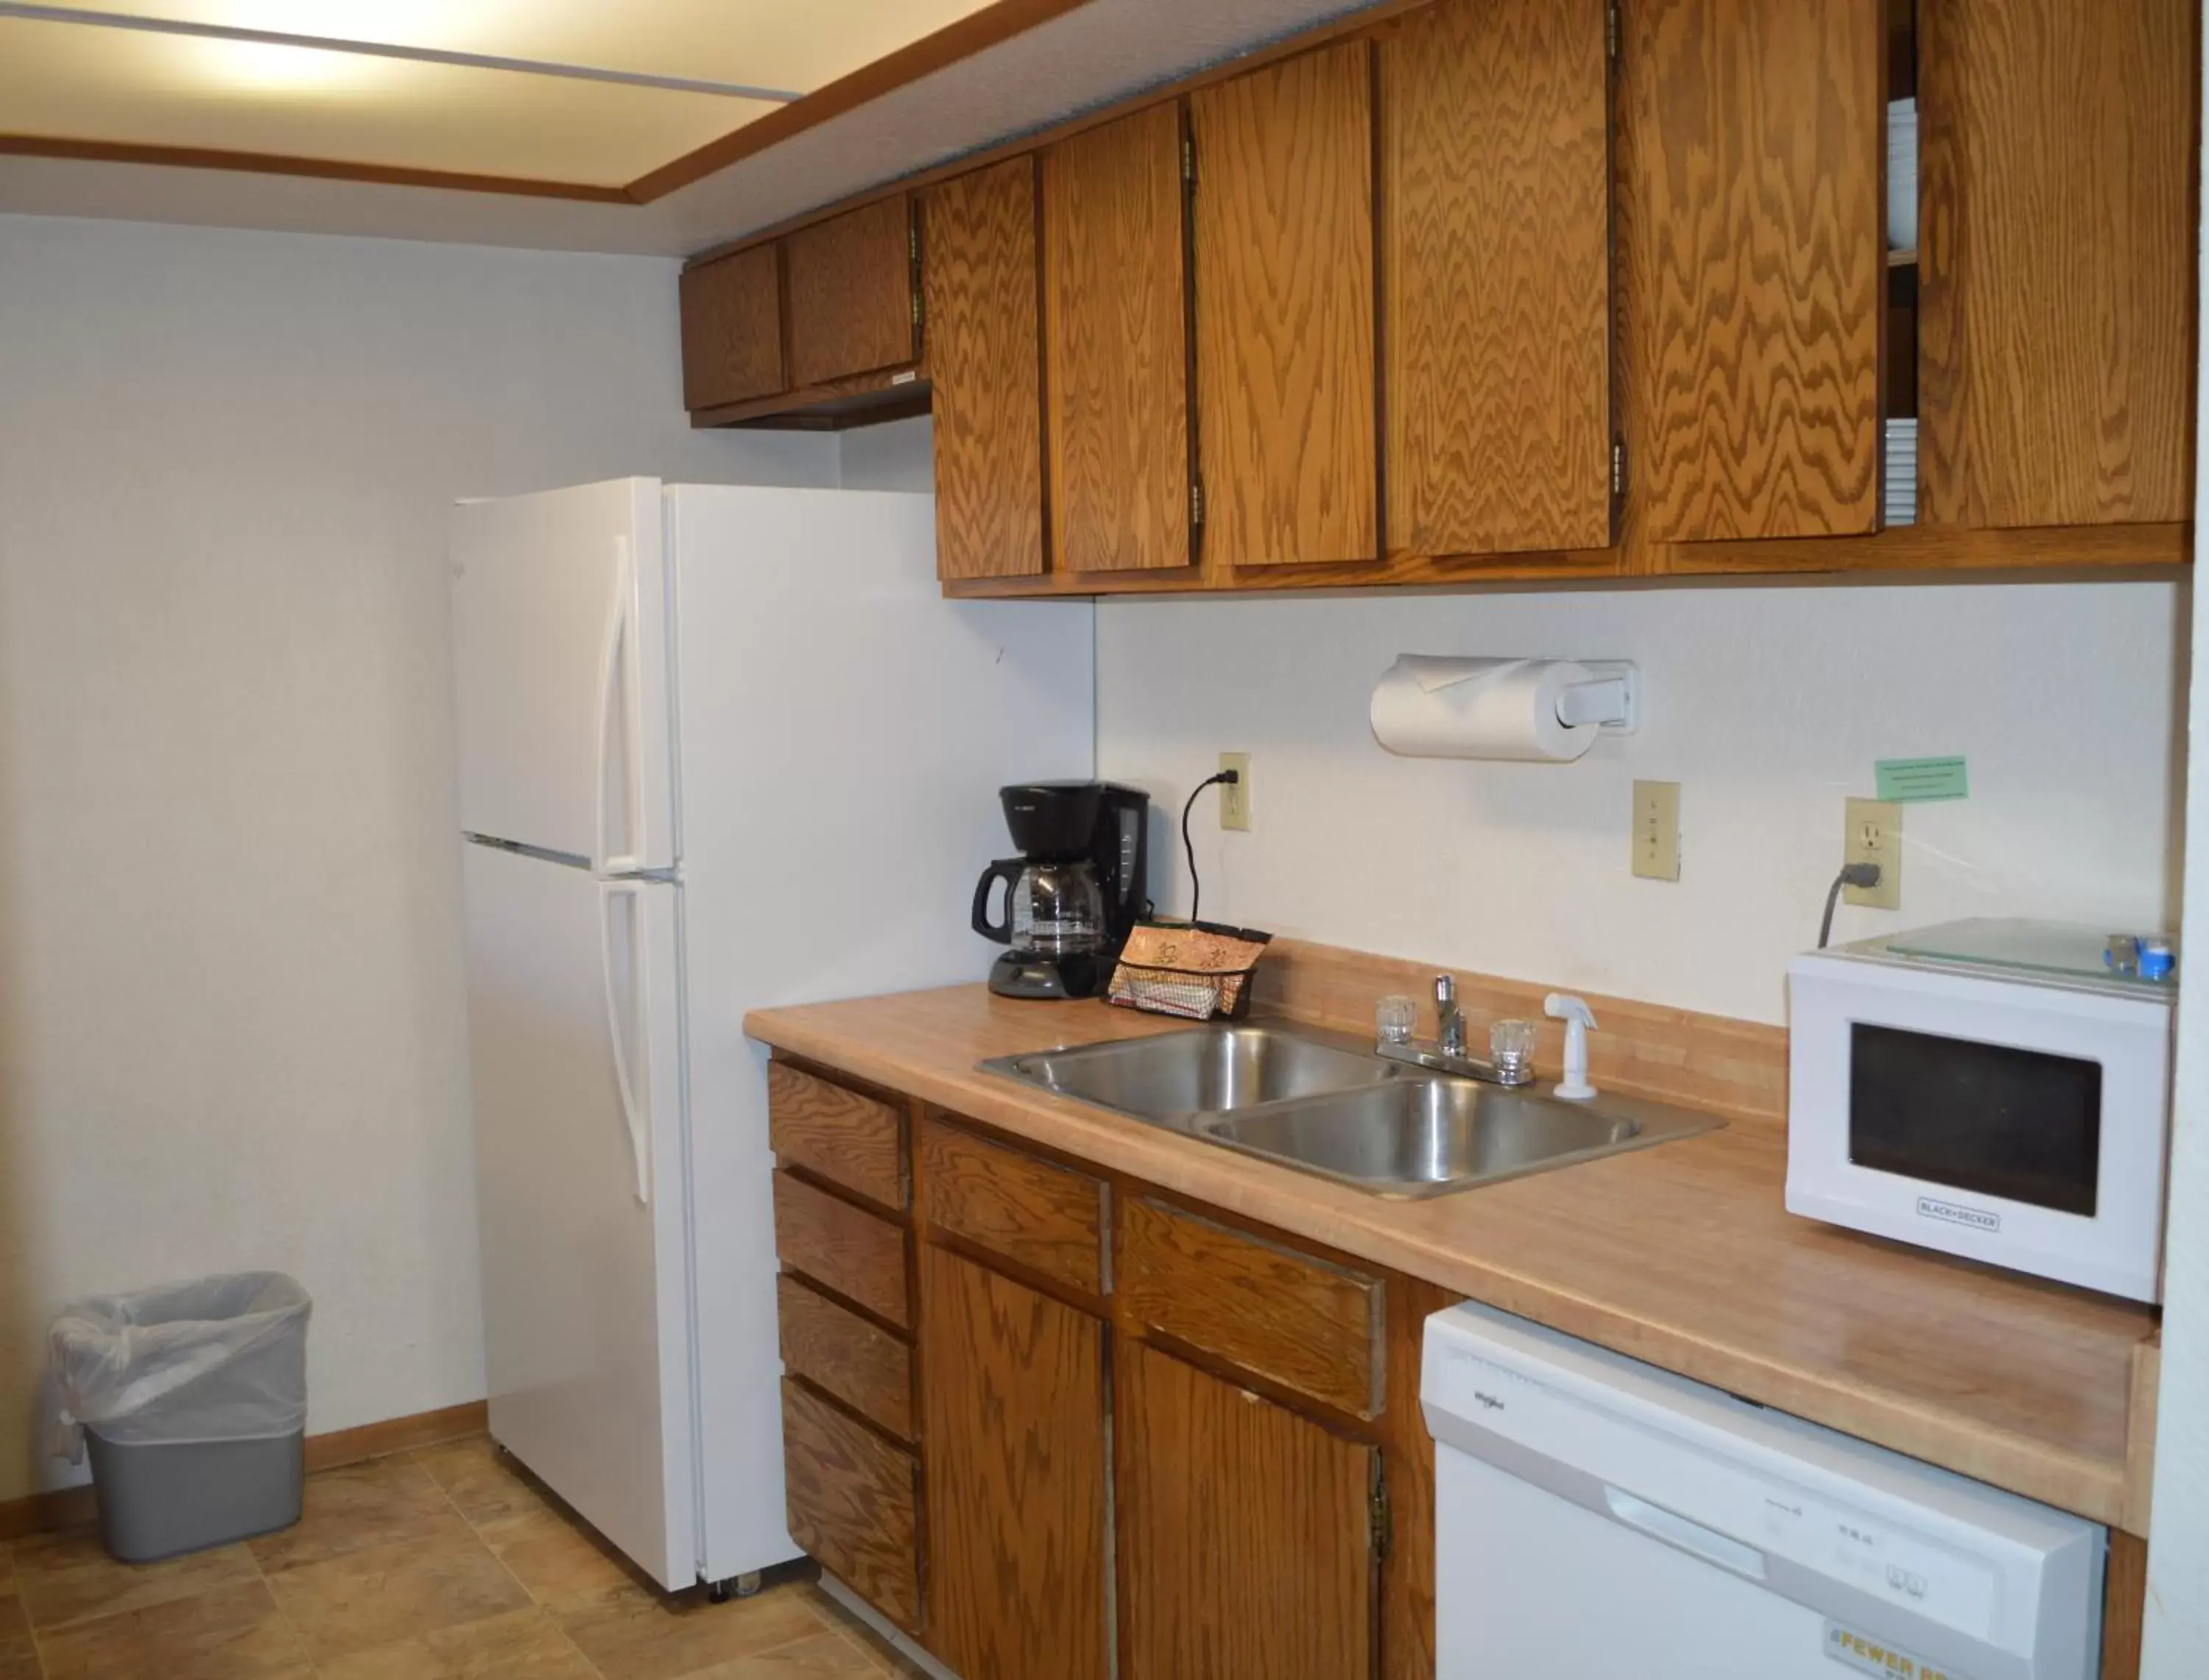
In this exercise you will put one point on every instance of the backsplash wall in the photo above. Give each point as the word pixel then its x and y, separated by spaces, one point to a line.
pixel 1768 704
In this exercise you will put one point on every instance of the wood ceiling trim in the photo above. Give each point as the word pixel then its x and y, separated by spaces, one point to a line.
pixel 327 169
pixel 975 33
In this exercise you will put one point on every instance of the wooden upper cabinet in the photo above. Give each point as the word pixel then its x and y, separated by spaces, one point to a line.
pixel 2056 260
pixel 1246 1538
pixel 732 328
pixel 1014 1409
pixel 1115 338
pixel 985 362
pixel 1757 253
pixel 1495 150
pixel 1285 356
pixel 851 308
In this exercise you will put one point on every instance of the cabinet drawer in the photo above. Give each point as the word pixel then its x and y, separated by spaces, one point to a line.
pixel 1309 1325
pixel 841 1248
pixel 862 1365
pixel 853 1503
pixel 837 1134
pixel 1047 1218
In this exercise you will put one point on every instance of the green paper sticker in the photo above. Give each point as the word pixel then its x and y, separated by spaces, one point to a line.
pixel 1908 778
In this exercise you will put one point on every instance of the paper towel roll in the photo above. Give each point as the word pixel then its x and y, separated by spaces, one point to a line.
pixel 1427 707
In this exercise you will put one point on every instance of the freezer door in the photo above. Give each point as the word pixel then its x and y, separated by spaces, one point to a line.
pixel 561 673
pixel 574 1049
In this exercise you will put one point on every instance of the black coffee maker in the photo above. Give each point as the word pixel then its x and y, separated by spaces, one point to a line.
pixel 1074 892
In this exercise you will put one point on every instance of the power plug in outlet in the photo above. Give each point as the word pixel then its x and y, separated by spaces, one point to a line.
pixel 1235 795
pixel 1874 836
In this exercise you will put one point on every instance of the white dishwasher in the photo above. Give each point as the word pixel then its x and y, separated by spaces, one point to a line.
pixel 1596 1517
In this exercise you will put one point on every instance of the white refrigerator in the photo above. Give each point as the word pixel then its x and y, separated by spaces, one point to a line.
pixel 720 748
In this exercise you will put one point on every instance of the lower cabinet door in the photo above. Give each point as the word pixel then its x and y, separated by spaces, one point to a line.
pixel 1012 1410
pixel 853 1503
pixel 1245 1532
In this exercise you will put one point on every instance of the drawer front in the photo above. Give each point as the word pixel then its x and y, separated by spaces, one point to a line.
pixel 1309 1325
pixel 1048 1218
pixel 837 1134
pixel 853 1503
pixel 841 1248
pixel 862 1364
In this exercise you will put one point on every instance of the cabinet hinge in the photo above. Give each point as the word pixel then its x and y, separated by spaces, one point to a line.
pixel 1381 1524
pixel 1196 503
pixel 1188 161
pixel 1610 29
pixel 1618 467
pixel 915 309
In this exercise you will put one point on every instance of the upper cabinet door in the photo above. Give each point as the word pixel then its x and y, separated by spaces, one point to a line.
pixel 985 363
pixel 732 328
pixel 1496 150
pixel 1116 336
pixel 1758 249
pixel 2055 324
pixel 851 299
pixel 1284 367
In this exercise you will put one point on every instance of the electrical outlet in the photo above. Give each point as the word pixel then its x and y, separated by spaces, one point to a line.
pixel 1657 830
pixel 1235 795
pixel 1874 836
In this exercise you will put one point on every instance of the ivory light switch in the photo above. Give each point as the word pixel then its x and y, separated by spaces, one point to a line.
pixel 1657 830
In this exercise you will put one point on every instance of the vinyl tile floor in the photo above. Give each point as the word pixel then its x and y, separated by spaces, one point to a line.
pixel 449 1563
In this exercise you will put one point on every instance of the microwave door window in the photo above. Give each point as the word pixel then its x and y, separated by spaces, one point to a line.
pixel 2020 1124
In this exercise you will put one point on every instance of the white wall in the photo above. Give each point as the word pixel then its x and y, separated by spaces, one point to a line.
pixel 1768 705
pixel 230 1010
pixel 2177 1637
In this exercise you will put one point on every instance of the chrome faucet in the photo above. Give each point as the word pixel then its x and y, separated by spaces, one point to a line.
pixel 1449 1020
pixel 1448 1053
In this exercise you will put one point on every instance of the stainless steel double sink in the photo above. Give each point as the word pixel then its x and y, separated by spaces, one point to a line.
pixel 1324 1102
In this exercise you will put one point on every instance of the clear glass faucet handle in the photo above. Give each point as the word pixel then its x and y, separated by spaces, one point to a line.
pixel 1510 1044
pixel 1393 1018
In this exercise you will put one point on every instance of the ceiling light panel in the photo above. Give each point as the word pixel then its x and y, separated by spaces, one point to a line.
pixel 71 82
pixel 792 45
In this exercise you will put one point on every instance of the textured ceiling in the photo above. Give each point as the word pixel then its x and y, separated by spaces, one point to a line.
pixel 1098 52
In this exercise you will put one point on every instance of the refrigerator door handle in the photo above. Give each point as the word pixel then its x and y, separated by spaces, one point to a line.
pixel 634 1118
pixel 618 654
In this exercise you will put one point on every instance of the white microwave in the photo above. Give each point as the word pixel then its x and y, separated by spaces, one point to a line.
pixel 1989 1089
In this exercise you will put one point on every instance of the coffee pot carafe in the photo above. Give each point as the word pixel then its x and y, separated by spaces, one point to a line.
pixel 1071 898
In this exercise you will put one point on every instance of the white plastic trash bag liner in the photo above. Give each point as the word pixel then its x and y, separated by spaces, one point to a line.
pixel 220 1358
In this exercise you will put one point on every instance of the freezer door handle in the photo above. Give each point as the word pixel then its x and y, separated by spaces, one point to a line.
pixel 1675 1530
pixel 635 1117
pixel 617 686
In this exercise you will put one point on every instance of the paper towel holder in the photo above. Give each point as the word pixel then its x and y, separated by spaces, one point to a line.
pixel 1611 699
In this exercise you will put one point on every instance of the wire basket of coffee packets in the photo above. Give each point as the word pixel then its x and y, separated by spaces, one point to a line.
pixel 1199 970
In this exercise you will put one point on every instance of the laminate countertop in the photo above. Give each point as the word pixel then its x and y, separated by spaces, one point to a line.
pixel 1681 1254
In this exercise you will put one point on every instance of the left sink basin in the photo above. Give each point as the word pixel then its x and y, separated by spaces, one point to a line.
pixel 1173 1077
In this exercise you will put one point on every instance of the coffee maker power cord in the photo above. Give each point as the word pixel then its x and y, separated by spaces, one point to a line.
pixel 1188 849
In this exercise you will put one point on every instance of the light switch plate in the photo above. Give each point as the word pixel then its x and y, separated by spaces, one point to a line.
pixel 1874 836
pixel 1657 830
pixel 1235 797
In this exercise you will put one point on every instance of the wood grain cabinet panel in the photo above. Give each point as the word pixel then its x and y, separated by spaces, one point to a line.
pixel 2056 260
pixel 1496 148
pixel 1048 1218
pixel 843 1249
pixel 1307 1325
pixel 1014 1407
pixel 732 328
pixel 979 274
pixel 851 293
pixel 853 1501
pixel 1284 355
pixel 1115 337
pixel 842 1354
pixel 837 1134
pixel 1757 254
pixel 1246 1542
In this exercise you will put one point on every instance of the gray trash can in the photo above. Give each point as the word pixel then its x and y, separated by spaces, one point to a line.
pixel 191 1400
